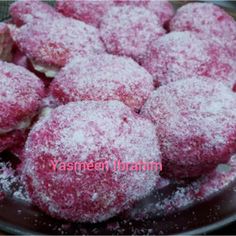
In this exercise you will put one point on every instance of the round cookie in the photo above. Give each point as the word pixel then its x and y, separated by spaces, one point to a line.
pixel 25 11
pixel 108 78
pixel 88 11
pixel 205 18
pixel 209 21
pixel 128 31
pixel 195 123
pixel 52 44
pixel 163 9
pixel 21 94
pixel 89 132
pixel 179 55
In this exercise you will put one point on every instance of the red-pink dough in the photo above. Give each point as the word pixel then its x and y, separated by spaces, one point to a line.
pixel 89 132
pixel 163 9
pixel 18 149
pixel 21 94
pixel 89 11
pixel 25 11
pixel 55 42
pixel 205 18
pixel 208 20
pixel 19 58
pixel 108 78
pixel 128 30
pixel 10 139
pixel 179 55
pixel 195 123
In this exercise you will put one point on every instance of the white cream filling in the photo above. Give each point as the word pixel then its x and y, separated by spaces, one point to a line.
pixel 27 122
pixel 49 71
pixel 20 126
pixel 45 112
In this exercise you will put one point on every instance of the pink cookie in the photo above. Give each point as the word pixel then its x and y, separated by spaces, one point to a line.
pixel 25 11
pixel 21 94
pixel 89 11
pixel 179 55
pixel 163 9
pixel 205 18
pixel 108 78
pixel 208 20
pixel 89 132
pixel 195 122
pixel 129 30
pixel 52 44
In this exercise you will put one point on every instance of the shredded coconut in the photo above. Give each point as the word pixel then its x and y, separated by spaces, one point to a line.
pixel 129 30
pixel 103 77
pixel 55 42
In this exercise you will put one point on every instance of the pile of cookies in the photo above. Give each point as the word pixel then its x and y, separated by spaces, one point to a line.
pixel 114 81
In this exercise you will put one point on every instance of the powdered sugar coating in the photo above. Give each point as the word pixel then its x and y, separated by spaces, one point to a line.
pixel 25 11
pixel 88 11
pixel 103 77
pixel 11 183
pixel 89 131
pixel 128 30
pixel 163 9
pixel 21 93
pixel 205 18
pixel 188 193
pixel 179 55
pixel 195 123
pixel 230 47
pixel 209 21
pixel 56 42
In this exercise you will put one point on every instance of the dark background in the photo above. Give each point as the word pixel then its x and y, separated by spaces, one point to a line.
pixel 228 230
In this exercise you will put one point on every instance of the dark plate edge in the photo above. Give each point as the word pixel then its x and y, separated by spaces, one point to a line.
pixel 16 230
pixel 12 229
pixel 207 229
